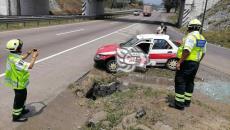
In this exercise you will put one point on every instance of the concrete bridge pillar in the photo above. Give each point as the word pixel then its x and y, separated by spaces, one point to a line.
pixel 24 7
pixel 4 7
pixel 93 7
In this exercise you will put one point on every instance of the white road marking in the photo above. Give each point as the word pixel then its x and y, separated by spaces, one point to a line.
pixel 70 32
pixel 113 23
pixel 70 49
pixel 51 26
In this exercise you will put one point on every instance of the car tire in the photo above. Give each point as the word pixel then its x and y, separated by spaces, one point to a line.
pixel 111 66
pixel 171 64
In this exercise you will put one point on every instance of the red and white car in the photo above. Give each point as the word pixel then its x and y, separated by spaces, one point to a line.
pixel 161 51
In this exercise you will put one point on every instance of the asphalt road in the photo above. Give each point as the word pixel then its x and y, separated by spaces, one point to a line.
pixel 66 53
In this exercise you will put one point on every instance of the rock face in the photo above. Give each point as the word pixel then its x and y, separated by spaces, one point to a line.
pixel 195 8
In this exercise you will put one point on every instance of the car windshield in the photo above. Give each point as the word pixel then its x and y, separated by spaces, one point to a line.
pixel 130 42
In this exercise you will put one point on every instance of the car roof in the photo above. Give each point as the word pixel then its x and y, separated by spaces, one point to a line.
pixel 152 36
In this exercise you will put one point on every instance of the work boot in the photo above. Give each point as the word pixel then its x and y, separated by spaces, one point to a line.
pixel 187 103
pixel 173 105
pixel 25 111
pixel 20 119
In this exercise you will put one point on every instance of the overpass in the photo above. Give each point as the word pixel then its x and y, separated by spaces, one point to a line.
pixel 191 8
pixel 24 7
pixel 41 7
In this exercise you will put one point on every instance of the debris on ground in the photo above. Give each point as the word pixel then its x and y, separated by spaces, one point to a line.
pixel 140 113
pixel 102 90
pixel 143 102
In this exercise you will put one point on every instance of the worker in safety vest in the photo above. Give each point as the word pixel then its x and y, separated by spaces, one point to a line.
pixel 190 54
pixel 17 76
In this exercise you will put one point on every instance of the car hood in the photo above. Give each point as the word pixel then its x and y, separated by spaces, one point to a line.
pixel 108 49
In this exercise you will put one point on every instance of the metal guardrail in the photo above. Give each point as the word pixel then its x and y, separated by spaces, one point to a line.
pixel 50 18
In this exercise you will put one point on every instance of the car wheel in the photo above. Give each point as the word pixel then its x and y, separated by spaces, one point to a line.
pixel 111 66
pixel 171 64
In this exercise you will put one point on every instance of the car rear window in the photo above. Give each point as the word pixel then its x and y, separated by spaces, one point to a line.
pixel 130 42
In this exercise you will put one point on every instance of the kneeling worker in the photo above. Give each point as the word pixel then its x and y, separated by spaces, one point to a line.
pixel 190 54
pixel 17 76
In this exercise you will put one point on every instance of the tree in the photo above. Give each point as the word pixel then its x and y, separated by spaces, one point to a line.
pixel 169 4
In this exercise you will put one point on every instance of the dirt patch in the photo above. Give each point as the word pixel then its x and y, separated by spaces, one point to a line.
pixel 140 104
pixel 152 93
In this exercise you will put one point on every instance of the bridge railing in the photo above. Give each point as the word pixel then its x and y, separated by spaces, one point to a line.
pixel 58 19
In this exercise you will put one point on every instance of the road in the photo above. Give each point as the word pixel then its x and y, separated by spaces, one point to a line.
pixel 66 53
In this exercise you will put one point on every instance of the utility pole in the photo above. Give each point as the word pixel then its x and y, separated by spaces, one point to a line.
pixel 181 13
pixel 205 8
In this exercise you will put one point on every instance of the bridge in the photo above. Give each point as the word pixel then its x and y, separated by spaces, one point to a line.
pixel 191 8
pixel 41 7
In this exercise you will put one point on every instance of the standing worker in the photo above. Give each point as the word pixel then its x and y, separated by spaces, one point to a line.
pixel 162 29
pixel 190 54
pixel 17 76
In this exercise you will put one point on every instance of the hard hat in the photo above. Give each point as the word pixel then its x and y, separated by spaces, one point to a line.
pixel 194 22
pixel 13 44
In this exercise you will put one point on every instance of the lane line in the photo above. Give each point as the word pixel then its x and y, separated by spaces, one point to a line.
pixel 113 23
pixel 51 26
pixel 58 34
pixel 75 47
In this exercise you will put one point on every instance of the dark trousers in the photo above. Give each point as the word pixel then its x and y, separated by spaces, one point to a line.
pixel 19 102
pixel 184 82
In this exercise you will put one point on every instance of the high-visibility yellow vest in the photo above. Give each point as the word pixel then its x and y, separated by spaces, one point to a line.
pixel 14 77
pixel 197 50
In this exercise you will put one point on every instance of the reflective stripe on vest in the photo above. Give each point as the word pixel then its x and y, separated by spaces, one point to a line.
pixel 197 51
pixel 14 78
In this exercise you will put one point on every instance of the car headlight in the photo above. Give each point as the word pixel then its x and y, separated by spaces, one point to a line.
pixel 98 56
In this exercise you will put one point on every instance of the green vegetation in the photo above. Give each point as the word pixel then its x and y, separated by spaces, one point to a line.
pixel 32 24
pixel 169 4
pixel 218 37
pixel 123 4
pixel 174 18
pixel 122 105
pixel 160 72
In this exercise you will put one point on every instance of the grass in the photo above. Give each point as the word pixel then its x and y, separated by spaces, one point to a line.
pixel 115 117
pixel 154 101
pixel 218 37
pixel 33 24
pixel 174 18
pixel 161 72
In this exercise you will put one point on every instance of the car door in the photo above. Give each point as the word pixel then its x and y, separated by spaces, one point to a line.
pixel 145 47
pixel 161 51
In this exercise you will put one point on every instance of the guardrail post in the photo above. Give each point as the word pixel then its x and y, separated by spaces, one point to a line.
pixel 38 23
pixel 49 21
pixel 7 25
pixel 24 24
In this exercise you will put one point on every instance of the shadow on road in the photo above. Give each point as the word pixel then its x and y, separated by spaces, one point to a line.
pixel 36 108
pixel 141 21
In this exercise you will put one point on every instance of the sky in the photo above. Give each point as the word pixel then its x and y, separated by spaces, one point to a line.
pixel 157 2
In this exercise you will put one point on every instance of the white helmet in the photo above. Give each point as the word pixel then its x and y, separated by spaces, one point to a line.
pixel 14 44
